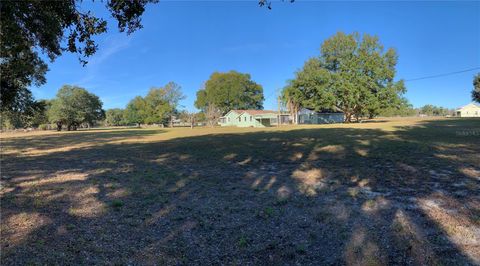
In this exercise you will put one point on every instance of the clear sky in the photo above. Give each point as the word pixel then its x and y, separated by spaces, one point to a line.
pixel 185 42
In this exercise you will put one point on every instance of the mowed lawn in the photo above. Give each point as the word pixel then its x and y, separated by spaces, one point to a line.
pixel 402 191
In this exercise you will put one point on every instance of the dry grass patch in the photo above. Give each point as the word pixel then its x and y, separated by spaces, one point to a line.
pixel 398 191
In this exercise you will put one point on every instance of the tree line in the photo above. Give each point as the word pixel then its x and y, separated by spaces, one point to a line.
pixel 222 92
pixel 407 109
pixel 353 74
pixel 75 107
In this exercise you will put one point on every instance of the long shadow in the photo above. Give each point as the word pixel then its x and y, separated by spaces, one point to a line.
pixel 43 142
pixel 307 196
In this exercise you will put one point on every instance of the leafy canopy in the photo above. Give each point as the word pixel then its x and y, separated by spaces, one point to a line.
pixel 32 116
pixel 476 88
pixel 230 90
pixel 50 27
pixel 114 117
pixel 155 108
pixel 353 74
pixel 74 106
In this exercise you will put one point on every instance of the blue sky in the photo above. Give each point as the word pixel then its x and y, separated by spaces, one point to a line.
pixel 185 42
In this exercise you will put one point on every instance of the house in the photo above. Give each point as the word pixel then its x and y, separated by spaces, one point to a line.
pixel 265 118
pixel 306 116
pixel 249 118
pixel 469 110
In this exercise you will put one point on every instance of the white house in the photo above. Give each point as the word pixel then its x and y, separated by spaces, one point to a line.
pixel 469 110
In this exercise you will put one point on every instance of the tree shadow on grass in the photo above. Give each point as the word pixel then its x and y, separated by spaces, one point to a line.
pixel 309 196
pixel 73 138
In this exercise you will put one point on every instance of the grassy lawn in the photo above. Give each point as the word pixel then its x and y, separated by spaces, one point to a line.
pixel 382 192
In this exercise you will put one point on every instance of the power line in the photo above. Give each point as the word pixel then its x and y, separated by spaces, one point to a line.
pixel 443 75
pixel 414 79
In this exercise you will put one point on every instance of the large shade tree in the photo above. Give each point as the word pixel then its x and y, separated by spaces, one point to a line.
pixel 476 88
pixel 157 107
pixel 74 106
pixel 136 111
pixel 230 90
pixel 353 74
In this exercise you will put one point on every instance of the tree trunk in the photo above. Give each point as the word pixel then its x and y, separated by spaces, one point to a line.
pixel 296 116
pixel 348 117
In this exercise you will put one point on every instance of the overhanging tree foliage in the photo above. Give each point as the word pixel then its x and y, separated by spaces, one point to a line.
pixel 74 106
pixel 353 74
pixel 28 27
pixel 476 88
pixel 230 90
pixel 52 27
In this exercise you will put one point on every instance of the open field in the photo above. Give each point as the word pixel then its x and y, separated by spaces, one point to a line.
pixel 404 191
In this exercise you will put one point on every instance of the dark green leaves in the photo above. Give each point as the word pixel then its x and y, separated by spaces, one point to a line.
pixel 353 74
pixel 155 108
pixel 74 106
pixel 31 26
pixel 476 88
pixel 230 90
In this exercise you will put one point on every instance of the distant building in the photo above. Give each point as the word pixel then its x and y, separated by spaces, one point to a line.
pixel 306 116
pixel 469 110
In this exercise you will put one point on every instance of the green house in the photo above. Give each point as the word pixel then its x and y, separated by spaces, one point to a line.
pixel 249 118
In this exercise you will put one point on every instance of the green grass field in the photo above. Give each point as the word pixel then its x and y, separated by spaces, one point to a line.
pixel 401 191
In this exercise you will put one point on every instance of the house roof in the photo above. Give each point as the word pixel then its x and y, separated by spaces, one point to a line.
pixel 251 112
pixel 325 111
pixel 470 104
pixel 258 112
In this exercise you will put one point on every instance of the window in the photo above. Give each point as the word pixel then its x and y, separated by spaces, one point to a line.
pixel 229 119
pixel 245 119
pixel 239 119
pixel 250 118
